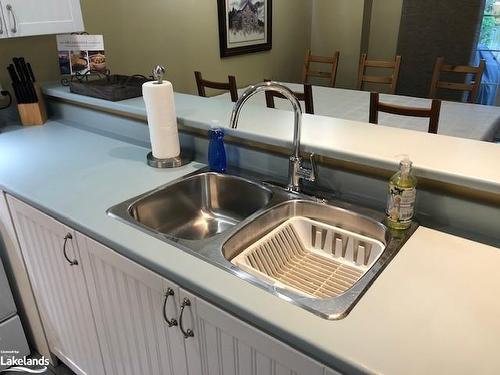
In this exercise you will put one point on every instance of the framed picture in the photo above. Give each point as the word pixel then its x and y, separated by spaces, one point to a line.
pixel 245 26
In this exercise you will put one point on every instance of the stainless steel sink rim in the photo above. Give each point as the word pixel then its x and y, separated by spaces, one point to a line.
pixel 211 249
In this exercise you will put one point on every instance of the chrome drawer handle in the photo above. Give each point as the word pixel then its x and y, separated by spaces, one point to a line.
pixel 11 11
pixel 171 322
pixel 1 26
pixel 71 262
pixel 189 333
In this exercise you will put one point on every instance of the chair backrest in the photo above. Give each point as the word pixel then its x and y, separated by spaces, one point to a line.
pixel 432 113
pixel 391 80
pixel 331 74
pixel 472 88
pixel 306 97
pixel 228 86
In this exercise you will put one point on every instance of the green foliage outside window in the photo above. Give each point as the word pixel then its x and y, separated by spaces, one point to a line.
pixel 488 26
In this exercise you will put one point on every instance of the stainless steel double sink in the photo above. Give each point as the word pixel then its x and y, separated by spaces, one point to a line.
pixel 331 255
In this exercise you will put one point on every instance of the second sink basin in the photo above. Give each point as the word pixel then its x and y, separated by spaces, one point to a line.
pixel 200 206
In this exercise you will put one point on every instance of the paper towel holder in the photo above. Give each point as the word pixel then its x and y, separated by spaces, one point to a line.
pixel 176 162
pixel 158 73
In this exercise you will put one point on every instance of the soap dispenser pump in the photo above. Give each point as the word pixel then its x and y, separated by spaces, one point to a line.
pixel 401 197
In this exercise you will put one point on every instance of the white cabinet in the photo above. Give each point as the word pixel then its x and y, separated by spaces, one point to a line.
pixel 4 31
pixel 59 287
pixel 131 306
pixel 228 345
pixel 37 17
pixel 107 314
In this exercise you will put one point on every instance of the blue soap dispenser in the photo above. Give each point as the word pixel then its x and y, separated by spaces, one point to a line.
pixel 216 151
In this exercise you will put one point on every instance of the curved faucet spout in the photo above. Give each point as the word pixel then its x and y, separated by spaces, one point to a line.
pixel 295 171
pixel 280 89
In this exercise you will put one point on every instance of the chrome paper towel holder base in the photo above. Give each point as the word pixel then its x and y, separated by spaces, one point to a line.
pixel 176 162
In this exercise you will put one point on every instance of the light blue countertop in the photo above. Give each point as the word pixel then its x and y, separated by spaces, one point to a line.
pixel 75 176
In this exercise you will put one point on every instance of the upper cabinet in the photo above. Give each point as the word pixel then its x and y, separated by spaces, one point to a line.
pixel 35 17
pixel 3 25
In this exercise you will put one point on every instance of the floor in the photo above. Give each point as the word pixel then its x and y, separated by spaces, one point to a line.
pixel 59 370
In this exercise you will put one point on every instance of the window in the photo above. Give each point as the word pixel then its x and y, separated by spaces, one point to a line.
pixel 488 48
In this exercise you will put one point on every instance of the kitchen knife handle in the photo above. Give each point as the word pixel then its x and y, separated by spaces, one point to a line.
pixel 12 73
pixel 19 68
pixel 30 71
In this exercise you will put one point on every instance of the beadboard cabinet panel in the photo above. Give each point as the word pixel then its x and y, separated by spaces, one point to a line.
pixel 227 345
pixel 4 30
pixel 60 289
pixel 128 302
pixel 35 17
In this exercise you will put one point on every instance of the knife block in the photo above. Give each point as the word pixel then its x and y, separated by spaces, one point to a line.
pixel 33 113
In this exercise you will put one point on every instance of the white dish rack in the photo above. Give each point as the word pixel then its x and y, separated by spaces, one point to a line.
pixel 310 258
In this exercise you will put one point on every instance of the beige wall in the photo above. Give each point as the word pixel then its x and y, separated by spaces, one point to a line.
pixel 384 28
pixel 337 26
pixel 181 34
pixel 40 51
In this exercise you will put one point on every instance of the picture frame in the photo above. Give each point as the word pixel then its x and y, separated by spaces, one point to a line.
pixel 245 26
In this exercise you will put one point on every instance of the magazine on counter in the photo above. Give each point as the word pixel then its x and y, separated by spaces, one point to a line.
pixel 79 54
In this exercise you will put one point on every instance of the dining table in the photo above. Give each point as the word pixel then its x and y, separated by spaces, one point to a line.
pixel 463 120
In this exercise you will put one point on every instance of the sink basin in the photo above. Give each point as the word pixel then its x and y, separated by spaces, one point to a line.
pixel 321 255
pixel 200 206
pixel 314 250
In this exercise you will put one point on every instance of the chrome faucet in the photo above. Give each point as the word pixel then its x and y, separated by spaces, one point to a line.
pixel 296 171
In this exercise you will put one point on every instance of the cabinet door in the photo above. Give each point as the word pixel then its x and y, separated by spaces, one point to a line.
pixel 35 17
pixel 59 288
pixel 128 302
pixel 223 344
pixel 4 30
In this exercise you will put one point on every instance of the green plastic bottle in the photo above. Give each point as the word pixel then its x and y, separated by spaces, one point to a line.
pixel 401 197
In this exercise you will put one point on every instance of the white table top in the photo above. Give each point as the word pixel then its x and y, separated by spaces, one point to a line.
pixel 459 161
pixel 461 120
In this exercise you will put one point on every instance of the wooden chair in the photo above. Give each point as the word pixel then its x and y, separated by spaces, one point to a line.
pixel 331 75
pixel 306 97
pixel 432 113
pixel 391 80
pixel 228 86
pixel 472 88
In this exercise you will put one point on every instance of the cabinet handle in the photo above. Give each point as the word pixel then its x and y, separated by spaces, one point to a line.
pixel 189 333
pixel 71 262
pixel 171 322
pixel 1 26
pixel 11 11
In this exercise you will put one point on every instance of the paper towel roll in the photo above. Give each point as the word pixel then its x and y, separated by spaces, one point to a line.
pixel 162 120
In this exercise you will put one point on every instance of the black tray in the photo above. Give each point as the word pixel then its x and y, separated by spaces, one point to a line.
pixel 113 87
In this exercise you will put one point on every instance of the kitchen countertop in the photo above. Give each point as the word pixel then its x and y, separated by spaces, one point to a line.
pixel 459 161
pixel 433 309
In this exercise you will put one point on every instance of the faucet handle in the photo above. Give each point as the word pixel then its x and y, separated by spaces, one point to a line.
pixel 309 174
pixel 314 168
